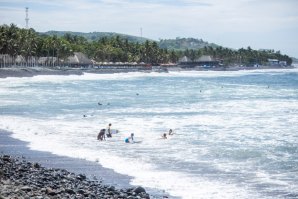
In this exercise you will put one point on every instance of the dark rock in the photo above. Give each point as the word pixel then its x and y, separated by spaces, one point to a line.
pixel 26 188
pixel 81 177
pixel 21 179
pixel 36 165
pixel 144 195
pixel 111 188
pixel 6 158
pixel 138 190
pixel 70 191
pixel 81 191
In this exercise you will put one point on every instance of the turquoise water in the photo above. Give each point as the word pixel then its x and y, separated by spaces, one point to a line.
pixel 235 132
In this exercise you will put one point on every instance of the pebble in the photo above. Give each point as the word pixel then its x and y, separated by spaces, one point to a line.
pixel 22 179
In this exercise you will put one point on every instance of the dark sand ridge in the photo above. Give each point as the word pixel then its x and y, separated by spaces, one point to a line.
pixel 92 170
pixel 34 71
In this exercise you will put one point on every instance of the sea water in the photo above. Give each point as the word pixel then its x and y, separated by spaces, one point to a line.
pixel 235 133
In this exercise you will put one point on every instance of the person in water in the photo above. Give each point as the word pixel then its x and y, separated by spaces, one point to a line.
pixel 127 140
pixel 101 135
pixel 164 136
pixel 171 132
pixel 109 134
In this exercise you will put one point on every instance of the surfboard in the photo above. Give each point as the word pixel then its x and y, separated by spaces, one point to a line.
pixel 136 142
pixel 113 131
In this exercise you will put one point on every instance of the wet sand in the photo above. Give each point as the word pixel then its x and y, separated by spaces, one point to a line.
pixel 34 71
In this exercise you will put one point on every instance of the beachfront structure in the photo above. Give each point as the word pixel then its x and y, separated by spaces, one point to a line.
pixel 276 62
pixel 273 62
pixel 205 61
pixel 131 66
pixel 6 60
pixel 78 60
pixel 48 61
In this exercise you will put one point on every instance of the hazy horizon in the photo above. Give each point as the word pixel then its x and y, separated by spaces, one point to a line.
pixel 260 24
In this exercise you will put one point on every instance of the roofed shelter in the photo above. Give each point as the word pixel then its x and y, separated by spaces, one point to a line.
pixel 78 60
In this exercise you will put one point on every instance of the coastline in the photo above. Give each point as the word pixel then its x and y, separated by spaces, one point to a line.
pixel 93 171
pixel 34 71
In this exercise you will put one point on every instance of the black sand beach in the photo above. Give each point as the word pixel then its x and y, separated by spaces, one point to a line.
pixel 34 71
pixel 94 172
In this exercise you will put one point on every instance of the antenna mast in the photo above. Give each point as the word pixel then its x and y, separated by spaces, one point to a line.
pixel 27 18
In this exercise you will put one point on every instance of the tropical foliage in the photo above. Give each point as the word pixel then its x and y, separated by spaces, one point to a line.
pixel 245 57
pixel 16 41
pixel 94 36
pixel 185 43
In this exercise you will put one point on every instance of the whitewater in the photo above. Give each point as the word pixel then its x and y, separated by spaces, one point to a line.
pixel 235 132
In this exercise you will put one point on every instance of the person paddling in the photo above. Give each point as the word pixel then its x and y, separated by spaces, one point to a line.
pixel 164 136
pixel 101 135
pixel 127 140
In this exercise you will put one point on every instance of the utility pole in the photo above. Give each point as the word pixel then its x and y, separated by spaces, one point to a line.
pixel 27 18
pixel 141 32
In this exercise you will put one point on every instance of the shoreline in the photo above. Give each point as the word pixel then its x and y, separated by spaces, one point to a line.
pixel 93 171
pixel 35 71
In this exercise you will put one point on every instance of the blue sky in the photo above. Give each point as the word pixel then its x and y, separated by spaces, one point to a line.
pixel 260 24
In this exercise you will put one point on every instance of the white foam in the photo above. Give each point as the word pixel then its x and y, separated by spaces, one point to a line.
pixel 62 138
pixel 229 135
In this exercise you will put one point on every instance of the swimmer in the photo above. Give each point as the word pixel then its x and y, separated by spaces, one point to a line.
pixel 127 140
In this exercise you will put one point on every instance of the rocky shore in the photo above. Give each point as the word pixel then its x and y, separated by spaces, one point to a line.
pixel 22 179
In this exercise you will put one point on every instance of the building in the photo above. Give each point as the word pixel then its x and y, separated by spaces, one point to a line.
pixel 276 62
pixel 273 62
pixel 205 61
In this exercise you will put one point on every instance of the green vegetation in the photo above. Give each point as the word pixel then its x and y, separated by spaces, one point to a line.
pixel 245 57
pixel 94 36
pixel 185 43
pixel 15 41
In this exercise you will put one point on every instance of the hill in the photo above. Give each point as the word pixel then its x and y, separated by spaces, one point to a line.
pixel 172 44
pixel 93 36
pixel 185 43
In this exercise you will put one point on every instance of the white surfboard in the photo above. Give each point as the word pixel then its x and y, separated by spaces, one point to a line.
pixel 137 142
pixel 113 131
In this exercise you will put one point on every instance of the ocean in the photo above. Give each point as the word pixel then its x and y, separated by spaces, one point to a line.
pixel 235 132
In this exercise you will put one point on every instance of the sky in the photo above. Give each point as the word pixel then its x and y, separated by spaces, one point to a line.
pixel 260 24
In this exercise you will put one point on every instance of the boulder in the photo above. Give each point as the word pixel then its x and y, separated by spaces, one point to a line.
pixel 139 190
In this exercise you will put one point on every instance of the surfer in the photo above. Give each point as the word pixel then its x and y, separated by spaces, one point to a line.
pixel 164 136
pixel 109 134
pixel 127 140
pixel 101 135
pixel 171 132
